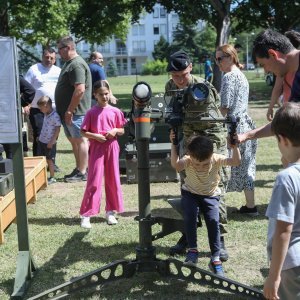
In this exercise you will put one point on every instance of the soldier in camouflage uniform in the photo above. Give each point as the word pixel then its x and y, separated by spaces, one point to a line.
pixel 180 67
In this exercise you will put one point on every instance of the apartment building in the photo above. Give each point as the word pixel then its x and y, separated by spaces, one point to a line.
pixel 130 55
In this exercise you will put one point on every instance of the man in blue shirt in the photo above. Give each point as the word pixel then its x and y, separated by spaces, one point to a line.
pixel 208 71
pixel 97 69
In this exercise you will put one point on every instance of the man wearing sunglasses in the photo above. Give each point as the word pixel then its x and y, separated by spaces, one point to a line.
pixel 180 67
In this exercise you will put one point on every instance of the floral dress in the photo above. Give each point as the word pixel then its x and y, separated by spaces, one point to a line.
pixel 234 96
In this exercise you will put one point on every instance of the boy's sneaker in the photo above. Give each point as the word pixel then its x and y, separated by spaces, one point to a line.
pixel 110 218
pixel 85 222
pixel 248 211
pixel 74 172
pixel 51 180
pixel 216 267
pixel 76 178
pixel 191 258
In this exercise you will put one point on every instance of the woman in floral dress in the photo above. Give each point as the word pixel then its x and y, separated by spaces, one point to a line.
pixel 234 102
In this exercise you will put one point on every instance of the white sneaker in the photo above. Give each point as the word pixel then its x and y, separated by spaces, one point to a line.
pixel 110 218
pixel 85 222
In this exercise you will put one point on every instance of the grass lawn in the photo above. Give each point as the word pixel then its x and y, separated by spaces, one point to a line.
pixel 62 250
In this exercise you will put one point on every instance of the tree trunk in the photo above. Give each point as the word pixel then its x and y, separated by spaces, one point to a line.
pixel 222 25
pixel 223 31
pixel 4 30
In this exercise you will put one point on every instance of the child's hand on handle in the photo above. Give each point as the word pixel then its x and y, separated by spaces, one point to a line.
pixel 232 142
pixel 172 136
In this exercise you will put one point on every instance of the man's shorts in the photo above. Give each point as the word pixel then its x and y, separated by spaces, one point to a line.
pixel 44 151
pixel 73 130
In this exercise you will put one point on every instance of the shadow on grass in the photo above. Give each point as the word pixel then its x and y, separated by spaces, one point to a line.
pixel 233 214
pixel 152 286
pixel 64 151
pixel 143 284
pixel 274 168
pixel 65 221
pixel 75 250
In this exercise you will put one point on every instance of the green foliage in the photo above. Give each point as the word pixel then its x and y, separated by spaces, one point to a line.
pixel 186 37
pixel 44 21
pixel 96 21
pixel 161 49
pixel 277 14
pixel 154 67
pixel 25 61
pixel 111 70
pixel 41 21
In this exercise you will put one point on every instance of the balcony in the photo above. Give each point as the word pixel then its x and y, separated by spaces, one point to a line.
pixel 121 52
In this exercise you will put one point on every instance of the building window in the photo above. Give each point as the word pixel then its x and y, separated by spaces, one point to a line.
pixel 155 29
pixel 121 48
pixel 163 29
pixel 135 29
pixel 125 65
pixel 139 46
pixel 104 48
pixel 163 12
pixel 156 12
pixel 138 29
pixel 142 29
pixel 143 46
pixel 133 63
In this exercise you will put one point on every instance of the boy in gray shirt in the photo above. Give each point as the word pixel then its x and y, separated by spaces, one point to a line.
pixel 284 210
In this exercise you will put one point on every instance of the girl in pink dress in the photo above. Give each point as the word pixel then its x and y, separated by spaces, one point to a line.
pixel 102 124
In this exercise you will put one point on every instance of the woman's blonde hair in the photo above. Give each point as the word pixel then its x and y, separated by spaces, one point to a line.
pixel 229 50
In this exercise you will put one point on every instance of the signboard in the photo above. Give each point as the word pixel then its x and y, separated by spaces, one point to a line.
pixel 9 128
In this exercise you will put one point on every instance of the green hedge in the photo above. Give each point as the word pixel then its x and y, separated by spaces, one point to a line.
pixel 154 67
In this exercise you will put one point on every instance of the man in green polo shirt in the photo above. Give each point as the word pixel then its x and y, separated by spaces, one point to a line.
pixel 73 99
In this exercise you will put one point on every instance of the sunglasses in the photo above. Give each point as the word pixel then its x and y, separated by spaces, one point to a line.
pixel 220 58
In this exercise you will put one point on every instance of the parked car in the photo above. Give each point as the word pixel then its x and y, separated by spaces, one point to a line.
pixel 270 78
pixel 250 66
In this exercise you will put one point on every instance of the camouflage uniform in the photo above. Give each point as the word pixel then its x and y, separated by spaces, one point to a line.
pixel 192 125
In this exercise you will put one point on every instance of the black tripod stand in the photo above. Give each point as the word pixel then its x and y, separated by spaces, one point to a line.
pixel 146 260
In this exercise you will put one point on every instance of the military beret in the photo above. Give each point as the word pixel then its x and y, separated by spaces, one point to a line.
pixel 178 61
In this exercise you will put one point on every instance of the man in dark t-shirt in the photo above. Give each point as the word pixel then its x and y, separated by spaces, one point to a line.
pixel 73 99
pixel 276 54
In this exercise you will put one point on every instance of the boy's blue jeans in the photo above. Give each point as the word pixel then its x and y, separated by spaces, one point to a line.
pixel 209 206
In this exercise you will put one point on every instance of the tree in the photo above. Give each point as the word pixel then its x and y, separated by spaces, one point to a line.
pixel 187 37
pixel 215 12
pixel 277 14
pixel 44 21
pixel 161 49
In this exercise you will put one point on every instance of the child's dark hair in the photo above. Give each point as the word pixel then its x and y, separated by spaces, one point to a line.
pixel 44 100
pixel 286 122
pixel 101 83
pixel 200 147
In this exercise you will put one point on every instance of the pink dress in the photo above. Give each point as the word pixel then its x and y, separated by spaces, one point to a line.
pixel 103 160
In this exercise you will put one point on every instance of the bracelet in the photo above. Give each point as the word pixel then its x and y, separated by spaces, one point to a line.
pixel 68 112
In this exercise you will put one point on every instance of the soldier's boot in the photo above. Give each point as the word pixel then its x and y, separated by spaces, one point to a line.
pixel 223 251
pixel 180 247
